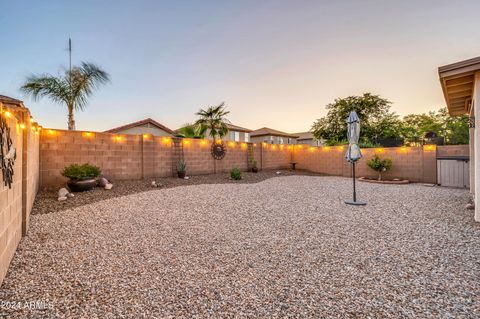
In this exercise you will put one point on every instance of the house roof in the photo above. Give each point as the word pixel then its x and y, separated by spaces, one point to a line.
pixel 238 128
pixel 10 100
pixel 305 136
pixel 265 131
pixel 457 81
pixel 140 123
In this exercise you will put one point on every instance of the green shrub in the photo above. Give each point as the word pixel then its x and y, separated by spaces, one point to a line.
pixel 81 172
pixel 236 174
pixel 379 165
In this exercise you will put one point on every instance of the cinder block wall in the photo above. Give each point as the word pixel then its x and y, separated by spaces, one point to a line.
pixel 123 156
pixel 16 202
pixel 417 164
pixel 146 156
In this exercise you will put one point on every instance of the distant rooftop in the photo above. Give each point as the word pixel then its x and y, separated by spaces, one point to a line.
pixel 140 123
pixel 10 100
pixel 304 135
pixel 265 131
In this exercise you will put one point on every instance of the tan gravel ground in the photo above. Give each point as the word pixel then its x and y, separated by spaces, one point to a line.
pixel 284 247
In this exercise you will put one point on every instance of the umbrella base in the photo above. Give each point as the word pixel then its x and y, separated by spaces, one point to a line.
pixel 355 203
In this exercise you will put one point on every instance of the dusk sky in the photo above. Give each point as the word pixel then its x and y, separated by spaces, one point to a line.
pixel 274 63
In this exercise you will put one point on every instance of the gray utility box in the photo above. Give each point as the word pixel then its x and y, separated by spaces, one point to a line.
pixel 453 171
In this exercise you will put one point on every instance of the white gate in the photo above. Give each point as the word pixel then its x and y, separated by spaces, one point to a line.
pixel 453 172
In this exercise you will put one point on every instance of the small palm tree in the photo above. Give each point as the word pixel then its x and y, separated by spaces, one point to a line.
pixel 214 119
pixel 71 89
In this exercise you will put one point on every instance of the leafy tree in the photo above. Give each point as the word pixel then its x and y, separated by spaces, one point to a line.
pixel 192 131
pixel 454 129
pixel 374 112
pixel 214 119
pixel 379 165
pixel 71 89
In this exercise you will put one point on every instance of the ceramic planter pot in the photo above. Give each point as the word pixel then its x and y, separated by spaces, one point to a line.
pixel 181 174
pixel 81 185
pixel 255 169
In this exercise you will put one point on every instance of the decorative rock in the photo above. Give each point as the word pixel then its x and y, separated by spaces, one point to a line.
pixel 154 184
pixel 62 198
pixel 278 173
pixel 63 192
pixel 102 182
pixel 108 186
pixel 70 195
pixel 186 177
pixel 470 206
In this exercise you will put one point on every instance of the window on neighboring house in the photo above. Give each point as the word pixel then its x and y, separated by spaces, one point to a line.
pixel 235 136
pixel 247 137
pixel 271 140
pixel 280 140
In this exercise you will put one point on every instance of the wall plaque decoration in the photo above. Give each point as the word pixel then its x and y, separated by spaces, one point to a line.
pixel 8 153
pixel 218 150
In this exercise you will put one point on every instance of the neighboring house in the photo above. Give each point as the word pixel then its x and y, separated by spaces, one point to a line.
pixel 272 136
pixel 308 138
pixel 147 126
pixel 235 133
pixel 461 88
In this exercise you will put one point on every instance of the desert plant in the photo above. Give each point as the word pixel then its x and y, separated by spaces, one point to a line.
pixel 213 119
pixel 236 174
pixel 81 172
pixel 379 165
pixel 71 89
pixel 254 166
pixel 181 166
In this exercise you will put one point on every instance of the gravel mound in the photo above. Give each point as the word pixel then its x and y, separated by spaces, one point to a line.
pixel 284 247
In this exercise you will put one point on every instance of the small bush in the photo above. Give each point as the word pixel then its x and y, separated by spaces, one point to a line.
pixel 81 172
pixel 236 174
pixel 379 165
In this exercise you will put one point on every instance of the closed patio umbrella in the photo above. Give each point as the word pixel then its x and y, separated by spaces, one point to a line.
pixel 353 152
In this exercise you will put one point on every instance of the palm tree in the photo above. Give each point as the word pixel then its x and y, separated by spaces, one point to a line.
pixel 71 89
pixel 213 119
pixel 192 131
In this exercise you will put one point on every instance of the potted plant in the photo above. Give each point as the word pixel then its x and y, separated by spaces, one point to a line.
pixel 81 177
pixel 181 169
pixel 254 166
pixel 379 165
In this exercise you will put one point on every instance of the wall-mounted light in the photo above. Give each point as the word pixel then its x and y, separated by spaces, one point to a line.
pixel 403 149
pixel 87 134
pixel 326 148
pixel 166 140
pixel 340 148
pixel 118 138
pixel 312 148
pixel 22 126
pixel 430 147
pixel 51 132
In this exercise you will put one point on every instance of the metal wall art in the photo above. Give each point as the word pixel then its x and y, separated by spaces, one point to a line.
pixel 8 153
pixel 218 150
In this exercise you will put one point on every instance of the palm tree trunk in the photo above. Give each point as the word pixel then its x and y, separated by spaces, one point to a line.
pixel 379 176
pixel 71 121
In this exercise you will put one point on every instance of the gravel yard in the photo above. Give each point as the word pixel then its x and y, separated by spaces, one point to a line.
pixel 283 247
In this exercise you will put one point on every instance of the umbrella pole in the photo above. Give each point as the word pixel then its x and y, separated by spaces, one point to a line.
pixel 354 201
pixel 354 189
